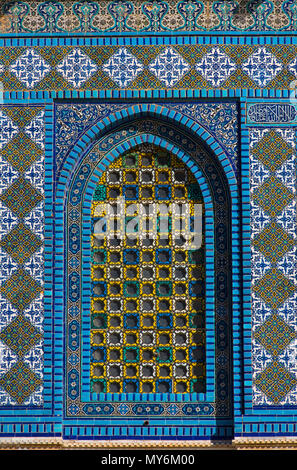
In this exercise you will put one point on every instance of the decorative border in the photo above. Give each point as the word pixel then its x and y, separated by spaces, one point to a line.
pixel 143 17
pixel 237 63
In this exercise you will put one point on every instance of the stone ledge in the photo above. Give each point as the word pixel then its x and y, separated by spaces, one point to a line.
pixel 60 444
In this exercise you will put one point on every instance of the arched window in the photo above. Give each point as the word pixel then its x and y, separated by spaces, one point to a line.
pixel 148 276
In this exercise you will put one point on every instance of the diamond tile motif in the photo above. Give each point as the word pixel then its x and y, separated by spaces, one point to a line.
pixel 275 335
pixel 21 197
pixel 20 289
pixel 272 150
pixel 20 243
pixel 30 68
pixel 274 288
pixel 20 382
pixel 77 67
pixel 273 242
pixel 22 115
pixel 20 336
pixel 262 66
pixel 8 129
pixel 21 152
pixel 216 66
pixel 123 67
pixel 275 382
pixel 273 196
pixel 169 67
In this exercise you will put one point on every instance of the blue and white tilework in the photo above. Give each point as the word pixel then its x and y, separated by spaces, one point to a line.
pixel 122 67
pixel 274 322
pixel 30 68
pixel 216 66
pixel 77 67
pixel 169 67
pixel 262 66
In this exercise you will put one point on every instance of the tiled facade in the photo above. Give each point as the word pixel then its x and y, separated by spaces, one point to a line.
pixel 92 110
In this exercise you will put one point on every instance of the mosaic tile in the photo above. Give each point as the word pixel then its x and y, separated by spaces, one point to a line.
pixel 21 152
pixel 275 335
pixel 8 358
pixel 273 318
pixel 274 288
pixel 8 175
pixel 21 197
pixel 8 265
pixel 262 66
pixel 139 16
pixel 273 196
pixel 30 68
pixel 20 335
pixel 8 129
pixel 35 129
pixel 21 115
pixel 34 266
pixel 273 242
pixel 77 67
pixel 20 243
pixel 22 247
pixel 20 289
pixel 276 381
pixel 8 219
pixel 216 66
pixel 122 67
pixel 20 382
pixel 169 67
pixel 272 150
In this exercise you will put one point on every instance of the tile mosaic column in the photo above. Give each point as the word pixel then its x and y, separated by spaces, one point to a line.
pixel 21 254
pixel 274 295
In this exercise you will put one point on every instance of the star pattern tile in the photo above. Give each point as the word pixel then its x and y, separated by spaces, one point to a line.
pixel 216 66
pixel 77 67
pixel 169 67
pixel 123 67
pixel 262 66
pixel 30 68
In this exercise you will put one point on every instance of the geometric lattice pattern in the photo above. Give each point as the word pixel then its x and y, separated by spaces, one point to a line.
pixel 274 242
pixel 272 150
pixel 275 334
pixel 20 335
pixel 21 245
pixel 276 382
pixel 21 152
pixel 21 197
pixel 20 382
pixel 274 289
pixel 273 196
pixel 148 299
